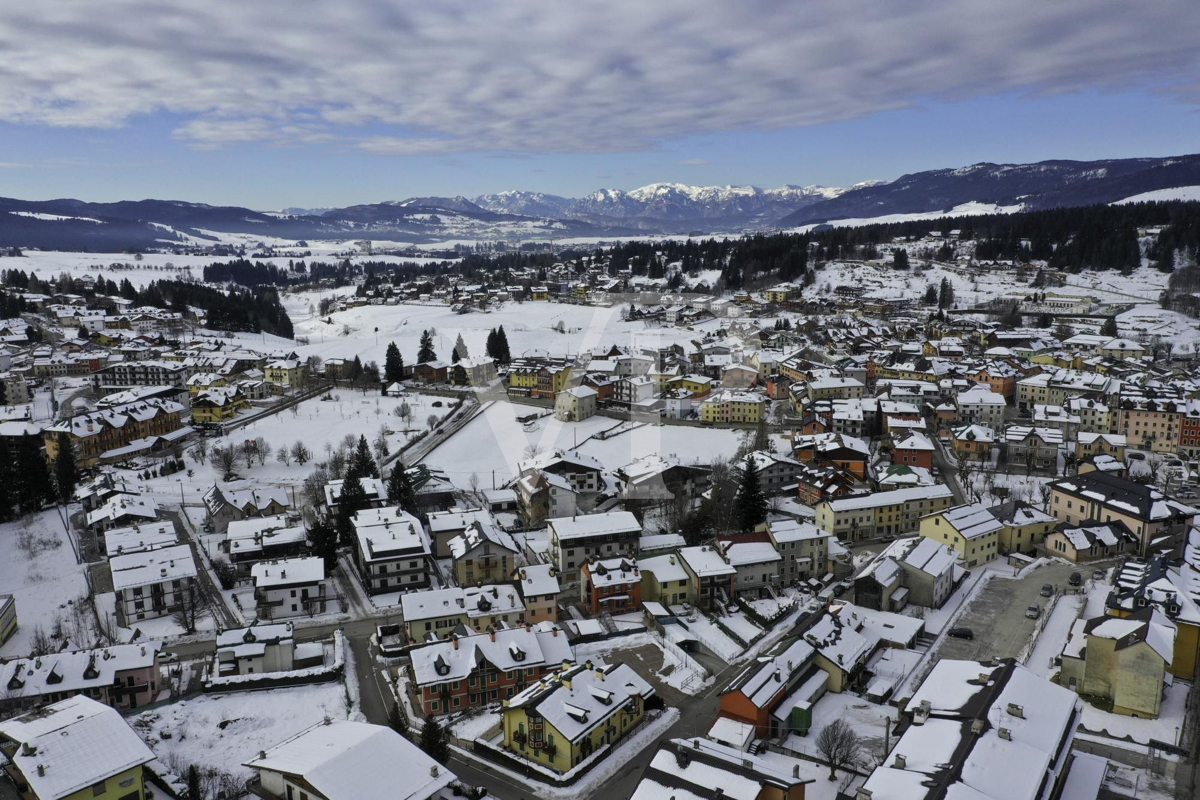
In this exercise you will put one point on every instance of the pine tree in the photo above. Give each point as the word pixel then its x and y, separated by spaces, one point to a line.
pixel 8 493
pixel 393 364
pixel 426 353
pixel 323 541
pixel 352 500
pixel 931 295
pixel 362 465
pixel 460 347
pixel 505 355
pixel 398 720
pixel 900 258
pixel 400 490
pixel 193 783
pixel 750 505
pixel 433 740
pixel 1109 328
pixel 355 369
pixel 66 476
pixel 454 356
pixel 946 294
pixel 34 487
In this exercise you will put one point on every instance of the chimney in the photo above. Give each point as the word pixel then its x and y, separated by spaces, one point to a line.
pixel 433 771
pixel 41 770
pixel 900 762
pixel 1016 710
pixel 454 640
pixel 1005 734
pixel 863 793
pixel 977 726
pixel 696 744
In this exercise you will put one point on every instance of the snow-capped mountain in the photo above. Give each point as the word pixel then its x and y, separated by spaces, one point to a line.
pixel 680 202
pixel 529 204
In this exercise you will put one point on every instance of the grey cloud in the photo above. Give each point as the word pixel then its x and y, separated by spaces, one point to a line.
pixel 520 77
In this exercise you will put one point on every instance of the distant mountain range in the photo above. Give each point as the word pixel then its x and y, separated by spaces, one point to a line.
pixel 662 208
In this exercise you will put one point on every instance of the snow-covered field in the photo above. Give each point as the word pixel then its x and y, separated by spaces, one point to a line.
pixel 1163 195
pixel 41 573
pixel 867 719
pixel 970 209
pixel 221 731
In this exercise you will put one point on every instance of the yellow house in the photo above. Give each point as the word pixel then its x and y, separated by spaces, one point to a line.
pixel 203 381
pixel 523 378
pixel 286 372
pixel 734 407
pixel 75 749
pixel 697 385
pixel 482 554
pixel 539 293
pixel 570 714
pixel 1058 359
pixel 858 517
pixel 664 580
pixel 8 617
pixel 214 406
pixel 970 530
pixel 1123 660
pixel 1023 527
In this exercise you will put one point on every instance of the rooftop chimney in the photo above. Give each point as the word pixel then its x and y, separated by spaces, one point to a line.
pixel 1005 734
pixel 901 762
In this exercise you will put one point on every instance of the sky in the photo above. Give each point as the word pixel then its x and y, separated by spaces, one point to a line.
pixel 272 104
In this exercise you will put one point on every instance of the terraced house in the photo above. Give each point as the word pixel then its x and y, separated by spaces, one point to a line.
pixel 97 432
pixel 881 514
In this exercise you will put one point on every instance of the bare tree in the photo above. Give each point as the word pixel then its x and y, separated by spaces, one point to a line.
pixel 200 451
pixel 284 456
pixel 301 453
pixel 249 451
pixel 840 745
pixel 225 459
pixel 431 421
pixel 192 607
pixel 263 448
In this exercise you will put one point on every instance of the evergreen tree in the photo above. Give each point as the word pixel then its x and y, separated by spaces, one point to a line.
pixel 400 490
pixel 1109 328
pixel 502 346
pixel 352 500
pixel 931 294
pixel 750 505
pixel 193 783
pixel 426 353
pixel 8 493
pixel 900 258
pixel 946 294
pixel 433 740
pixel 34 487
pixel 362 465
pixel 323 541
pixel 492 348
pixel 66 476
pixel 460 347
pixel 393 364
pixel 398 720
pixel 454 356
pixel 355 369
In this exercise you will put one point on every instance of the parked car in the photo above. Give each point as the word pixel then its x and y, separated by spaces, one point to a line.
pixel 1076 579
pixel 961 633
pixel 1098 574
pixel 1047 590
pixel 1034 611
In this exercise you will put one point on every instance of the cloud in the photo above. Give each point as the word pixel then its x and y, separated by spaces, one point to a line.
pixel 11 165
pixel 417 79
pixel 694 162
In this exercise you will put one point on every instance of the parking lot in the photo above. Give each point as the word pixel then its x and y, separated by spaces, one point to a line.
pixel 996 614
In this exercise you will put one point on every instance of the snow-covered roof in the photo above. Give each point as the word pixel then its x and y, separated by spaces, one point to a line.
pixel 505 649
pixel 119 541
pixel 389 533
pixel 345 760
pixel 895 496
pixel 706 561
pixel 75 670
pixel 794 530
pixel 742 554
pixel 972 521
pixel 588 525
pixel 474 601
pixel 288 571
pixel 73 744
pixel 537 579
pixel 594 694
pixel 152 566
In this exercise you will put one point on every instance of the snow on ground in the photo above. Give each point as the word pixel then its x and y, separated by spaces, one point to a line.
pixel 1164 729
pixel 1163 195
pixel 712 637
pixel 223 730
pixel 821 788
pixel 970 209
pixel 679 670
pixel 865 717
pixel 1152 321
pixel 1054 634
pixel 742 625
pixel 470 727
pixel 41 573
pixel 1126 781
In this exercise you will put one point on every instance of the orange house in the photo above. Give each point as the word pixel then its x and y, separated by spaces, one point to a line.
pixel 763 686
pixel 610 584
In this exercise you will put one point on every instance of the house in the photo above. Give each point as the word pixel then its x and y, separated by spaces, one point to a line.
pixel 345 760
pixel 471 671
pixel 913 571
pixel 226 505
pixel 216 406
pixel 575 404
pixel 124 676
pixel 846 452
pixel 286 374
pixel 258 649
pixel 1033 448
pixel 1147 512
pixel 574 540
pixel 981 406
pixel 803 548
pixel 985 730
pixel 777 473
pixel 664 580
pixel 1090 443
pixel 289 587
pixel 392 550
pixel 734 407
pixel 374 490
pixel 431 372
pixel 73 749
pixel 844 641
pixel 688 768
pixel 1126 661
pixel 251 540
pixel 482 554
pixel 768 682
pixel 971 530
pixel 568 715
pixel 612 585
pixel 437 613
pixel 756 561
pixel 1091 540
pixel 1024 526
pixel 445 525
pixel 477 371
pixel 120 511
pixel 913 449
pixel 860 517
pixel 539 591
pixel 1173 591
pixel 98 432
pixel 152 583
pixel 973 442
pixel 711 576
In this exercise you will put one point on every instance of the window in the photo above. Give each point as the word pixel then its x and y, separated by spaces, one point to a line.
pixel 98 789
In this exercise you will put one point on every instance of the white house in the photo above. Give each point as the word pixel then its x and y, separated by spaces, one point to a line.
pixel 392 551
pixel 152 583
pixel 289 587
